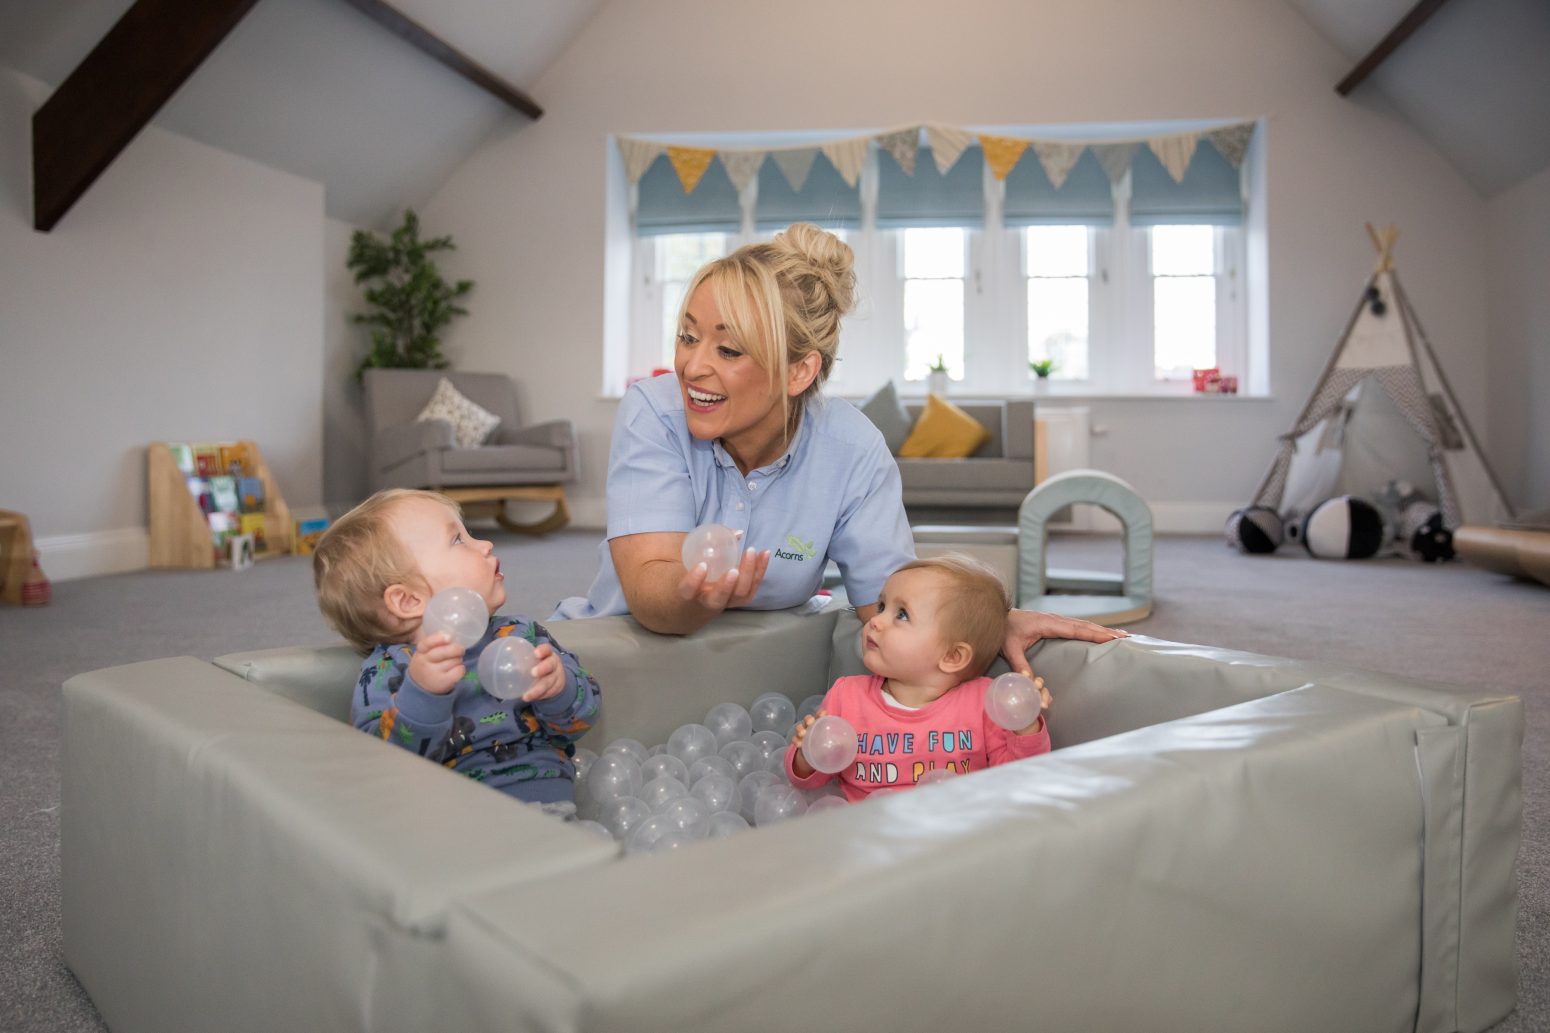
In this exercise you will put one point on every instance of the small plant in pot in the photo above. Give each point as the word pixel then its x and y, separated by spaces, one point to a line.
pixel 1042 368
pixel 410 302
pixel 936 376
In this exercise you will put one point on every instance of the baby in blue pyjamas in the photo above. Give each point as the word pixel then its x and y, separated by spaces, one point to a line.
pixel 375 570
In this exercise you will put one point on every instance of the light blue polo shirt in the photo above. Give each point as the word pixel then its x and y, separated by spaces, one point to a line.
pixel 834 494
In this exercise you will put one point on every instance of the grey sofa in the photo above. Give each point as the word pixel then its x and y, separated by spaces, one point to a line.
pixel 1220 841
pixel 998 474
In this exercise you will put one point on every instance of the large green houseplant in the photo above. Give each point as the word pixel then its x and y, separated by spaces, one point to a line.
pixel 410 302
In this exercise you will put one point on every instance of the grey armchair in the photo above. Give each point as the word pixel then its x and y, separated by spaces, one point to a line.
pixel 519 463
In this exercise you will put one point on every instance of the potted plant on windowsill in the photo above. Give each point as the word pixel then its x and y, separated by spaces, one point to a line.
pixel 936 377
pixel 1041 368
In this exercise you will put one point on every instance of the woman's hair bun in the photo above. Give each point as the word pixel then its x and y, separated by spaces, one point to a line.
pixel 829 258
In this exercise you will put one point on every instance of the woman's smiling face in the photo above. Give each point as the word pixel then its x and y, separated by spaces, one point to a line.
pixel 726 394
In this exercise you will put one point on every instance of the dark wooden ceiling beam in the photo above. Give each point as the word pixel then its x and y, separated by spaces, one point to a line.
pixel 115 91
pixel 413 32
pixel 1388 44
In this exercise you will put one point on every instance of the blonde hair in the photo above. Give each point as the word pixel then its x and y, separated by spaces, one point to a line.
pixel 782 300
pixel 975 610
pixel 355 562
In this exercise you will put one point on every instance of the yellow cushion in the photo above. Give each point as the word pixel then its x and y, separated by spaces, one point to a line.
pixel 943 431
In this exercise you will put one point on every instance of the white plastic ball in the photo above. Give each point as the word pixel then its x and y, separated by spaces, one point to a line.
pixel 612 776
pixel 726 823
pixel 713 545
pixel 716 791
pixel 830 745
pixel 506 667
pixel 691 742
pixel 744 757
pixel 688 815
pixel 728 722
pixel 1013 701
pixel 809 706
pixel 630 748
pixel 662 790
pixel 773 712
pixel 664 764
pixel 705 765
pixel 458 612
pixel 621 816
pixel 777 802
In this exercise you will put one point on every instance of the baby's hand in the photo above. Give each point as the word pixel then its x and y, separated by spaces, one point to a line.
pixel 799 762
pixel 437 664
pixel 1044 701
pixel 549 676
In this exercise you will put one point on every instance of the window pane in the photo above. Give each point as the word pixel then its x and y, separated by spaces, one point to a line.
pixel 1057 251
pixel 1184 313
pixel 933 252
pixel 680 255
pixel 933 325
pixel 1183 251
pixel 1057 324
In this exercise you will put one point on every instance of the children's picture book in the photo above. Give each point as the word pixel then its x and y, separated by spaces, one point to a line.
pixel 253 524
pixel 222 527
pixel 207 460
pixel 183 456
pixel 305 541
pixel 250 492
pixel 225 491
pixel 200 489
pixel 235 459
pixel 241 548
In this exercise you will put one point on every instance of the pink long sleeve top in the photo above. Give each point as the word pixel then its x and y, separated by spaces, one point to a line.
pixel 895 746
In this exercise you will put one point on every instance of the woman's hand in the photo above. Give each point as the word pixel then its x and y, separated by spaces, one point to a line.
pixel 548 675
pixel 1025 627
pixel 735 589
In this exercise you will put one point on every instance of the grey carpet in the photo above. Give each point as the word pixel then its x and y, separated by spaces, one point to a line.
pixel 1449 623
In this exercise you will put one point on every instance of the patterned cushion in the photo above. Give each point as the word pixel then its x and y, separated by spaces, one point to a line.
pixel 472 424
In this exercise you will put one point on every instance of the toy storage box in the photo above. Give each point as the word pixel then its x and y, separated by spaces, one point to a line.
pixel 1220 841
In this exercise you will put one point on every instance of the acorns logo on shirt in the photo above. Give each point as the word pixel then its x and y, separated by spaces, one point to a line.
pixel 799 550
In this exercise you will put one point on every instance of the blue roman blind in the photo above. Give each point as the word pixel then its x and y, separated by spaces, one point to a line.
pixel 825 199
pixel 664 207
pixel 1211 193
pixel 1085 198
pixel 929 198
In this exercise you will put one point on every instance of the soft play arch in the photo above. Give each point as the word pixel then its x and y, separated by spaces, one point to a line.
pixel 1095 596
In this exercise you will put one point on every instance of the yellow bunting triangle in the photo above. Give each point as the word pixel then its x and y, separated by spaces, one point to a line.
pixel 690 163
pixel 1002 152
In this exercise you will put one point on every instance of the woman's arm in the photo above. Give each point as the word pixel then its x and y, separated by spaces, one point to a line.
pixel 670 600
pixel 1025 627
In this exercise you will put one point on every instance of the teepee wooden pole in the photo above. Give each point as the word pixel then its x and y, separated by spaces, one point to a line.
pixel 1384 242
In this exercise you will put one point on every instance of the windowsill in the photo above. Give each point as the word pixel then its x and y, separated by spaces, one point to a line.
pixel 1047 396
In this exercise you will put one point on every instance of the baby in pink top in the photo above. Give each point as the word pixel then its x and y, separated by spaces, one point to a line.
pixel 939 624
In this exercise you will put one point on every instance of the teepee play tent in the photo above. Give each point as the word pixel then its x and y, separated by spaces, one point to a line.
pixel 1382 411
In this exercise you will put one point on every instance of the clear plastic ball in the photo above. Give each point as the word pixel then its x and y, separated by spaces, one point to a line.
pixel 773 712
pixel 830 745
pixel 726 823
pixel 1013 701
pixel 691 742
pixel 657 750
pixel 713 545
pixel 749 788
pixel 458 612
pixel 777 802
pixel 728 722
pixel 630 748
pixel 776 762
pixel 621 816
pixel 643 838
pixel 506 667
pixel 716 791
pixel 770 744
pixel 662 790
pixel 688 815
pixel 935 775
pixel 705 765
pixel 612 776
pixel 744 757
pixel 664 764
pixel 825 802
pixel 583 759
pixel 596 828
pixel 809 706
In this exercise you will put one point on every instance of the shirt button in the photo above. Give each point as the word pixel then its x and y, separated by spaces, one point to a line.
pixel 752 485
pixel 739 505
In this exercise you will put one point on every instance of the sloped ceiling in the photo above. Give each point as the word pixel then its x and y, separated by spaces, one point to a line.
pixel 316 88
pixel 1474 79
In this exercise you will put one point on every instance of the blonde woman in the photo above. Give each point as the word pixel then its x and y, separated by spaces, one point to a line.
pixel 742 435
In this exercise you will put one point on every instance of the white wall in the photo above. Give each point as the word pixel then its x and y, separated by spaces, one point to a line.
pixel 181 298
pixel 1518 324
pixel 345 480
pixel 527 209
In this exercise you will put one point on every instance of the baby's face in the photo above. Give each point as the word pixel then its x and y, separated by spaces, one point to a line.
pixel 904 639
pixel 445 553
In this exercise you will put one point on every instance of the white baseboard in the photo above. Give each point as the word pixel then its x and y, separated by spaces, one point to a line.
pixel 66 557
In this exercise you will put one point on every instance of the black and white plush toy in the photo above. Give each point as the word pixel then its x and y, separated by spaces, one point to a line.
pixel 1255 529
pixel 1423 533
pixel 1345 527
